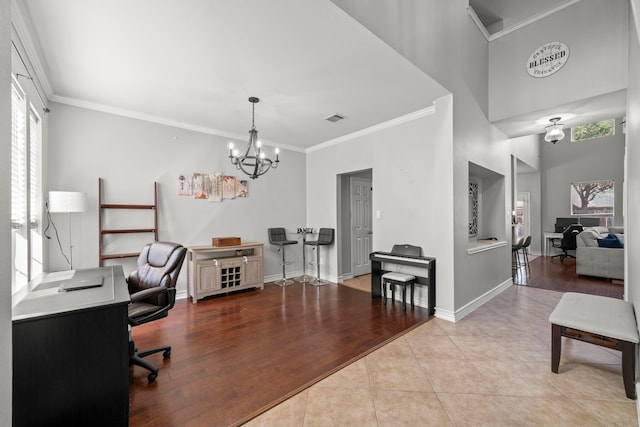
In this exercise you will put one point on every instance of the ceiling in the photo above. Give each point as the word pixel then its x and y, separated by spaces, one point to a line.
pixel 193 64
pixel 497 15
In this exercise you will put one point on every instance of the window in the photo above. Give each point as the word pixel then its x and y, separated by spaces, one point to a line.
pixel 26 184
pixel 593 130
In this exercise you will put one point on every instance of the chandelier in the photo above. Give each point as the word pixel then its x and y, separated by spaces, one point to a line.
pixel 253 162
pixel 554 131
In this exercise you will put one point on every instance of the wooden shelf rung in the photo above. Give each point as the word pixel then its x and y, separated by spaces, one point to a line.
pixel 125 206
pixel 118 256
pixel 129 231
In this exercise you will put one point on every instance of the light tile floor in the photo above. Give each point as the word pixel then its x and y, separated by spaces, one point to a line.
pixel 492 368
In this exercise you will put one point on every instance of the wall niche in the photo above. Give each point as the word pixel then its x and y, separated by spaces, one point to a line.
pixel 486 204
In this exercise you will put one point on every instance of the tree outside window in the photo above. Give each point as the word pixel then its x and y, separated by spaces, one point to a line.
pixel 593 130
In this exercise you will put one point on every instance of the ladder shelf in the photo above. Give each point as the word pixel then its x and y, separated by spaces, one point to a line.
pixel 106 231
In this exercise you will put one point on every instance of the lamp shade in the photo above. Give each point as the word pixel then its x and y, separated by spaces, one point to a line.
pixel 67 201
pixel 554 131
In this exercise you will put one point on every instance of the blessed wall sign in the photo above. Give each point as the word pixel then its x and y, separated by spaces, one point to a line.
pixel 547 59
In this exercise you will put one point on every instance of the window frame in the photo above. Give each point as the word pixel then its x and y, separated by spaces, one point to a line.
pixel 27 252
pixel 613 131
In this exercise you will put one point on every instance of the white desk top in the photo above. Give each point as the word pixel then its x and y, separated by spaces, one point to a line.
pixel 44 299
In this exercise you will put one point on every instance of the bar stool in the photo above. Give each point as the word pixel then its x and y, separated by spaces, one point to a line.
pixel 525 252
pixel 278 237
pixel 325 238
pixel 303 232
pixel 515 258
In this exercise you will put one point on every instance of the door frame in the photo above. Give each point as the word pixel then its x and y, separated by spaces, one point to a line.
pixel 343 220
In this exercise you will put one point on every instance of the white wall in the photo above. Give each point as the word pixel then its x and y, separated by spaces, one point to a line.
pixel 596 34
pixel 527 150
pixel 409 189
pixel 6 372
pixel 632 227
pixel 131 154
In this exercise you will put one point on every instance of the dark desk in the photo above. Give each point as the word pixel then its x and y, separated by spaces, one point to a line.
pixel 427 263
pixel 70 352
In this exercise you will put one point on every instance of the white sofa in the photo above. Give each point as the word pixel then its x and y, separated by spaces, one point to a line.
pixel 592 260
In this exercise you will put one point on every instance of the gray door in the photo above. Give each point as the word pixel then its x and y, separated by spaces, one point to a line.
pixel 361 231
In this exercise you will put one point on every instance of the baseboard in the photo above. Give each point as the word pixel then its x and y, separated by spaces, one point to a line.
pixel 345 277
pixel 455 316
pixel 638 401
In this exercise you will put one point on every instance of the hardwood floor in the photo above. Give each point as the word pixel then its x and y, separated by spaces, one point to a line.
pixel 236 355
pixel 551 273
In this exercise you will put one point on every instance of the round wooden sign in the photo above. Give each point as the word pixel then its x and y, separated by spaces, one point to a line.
pixel 547 59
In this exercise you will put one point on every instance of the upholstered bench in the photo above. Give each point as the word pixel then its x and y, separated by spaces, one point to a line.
pixel 393 278
pixel 607 322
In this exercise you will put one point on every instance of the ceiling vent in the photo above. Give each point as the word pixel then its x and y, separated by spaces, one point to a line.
pixel 334 118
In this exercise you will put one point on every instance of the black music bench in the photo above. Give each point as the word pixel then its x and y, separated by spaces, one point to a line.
pixel 427 263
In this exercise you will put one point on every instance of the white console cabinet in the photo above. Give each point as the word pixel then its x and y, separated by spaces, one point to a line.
pixel 215 270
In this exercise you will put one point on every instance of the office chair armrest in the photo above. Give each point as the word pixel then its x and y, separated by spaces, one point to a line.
pixel 146 293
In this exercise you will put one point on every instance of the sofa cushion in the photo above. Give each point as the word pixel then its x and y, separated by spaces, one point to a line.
pixel 590 238
pixel 611 241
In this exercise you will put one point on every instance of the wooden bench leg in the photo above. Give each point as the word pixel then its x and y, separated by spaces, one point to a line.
pixel 412 286
pixel 629 368
pixel 384 292
pixel 556 347
pixel 404 297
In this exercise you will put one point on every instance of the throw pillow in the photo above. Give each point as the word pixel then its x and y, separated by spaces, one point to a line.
pixel 589 237
pixel 611 241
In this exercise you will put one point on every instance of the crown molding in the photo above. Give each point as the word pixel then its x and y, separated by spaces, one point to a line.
pixel 23 31
pixel 509 30
pixel 384 125
pixel 164 121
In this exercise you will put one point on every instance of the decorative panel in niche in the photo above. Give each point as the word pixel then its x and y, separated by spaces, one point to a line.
pixel 473 209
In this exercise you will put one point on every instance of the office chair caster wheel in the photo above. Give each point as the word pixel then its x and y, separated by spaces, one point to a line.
pixel 166 354
pixel 152 377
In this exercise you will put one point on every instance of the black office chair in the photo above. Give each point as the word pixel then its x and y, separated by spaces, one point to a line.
pixel 568 242
pixel 152 287
pixel 325 238
pixel 394 278
pixel 278 237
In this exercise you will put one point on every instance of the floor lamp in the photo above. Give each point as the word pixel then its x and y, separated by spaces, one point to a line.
pixel 67 202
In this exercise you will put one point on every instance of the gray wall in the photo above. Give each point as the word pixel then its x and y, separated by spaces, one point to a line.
pixel 530 183
pixel 592 160
pixel 5 213
pixel 131 154
pixel 445 43
pixel 596 34
pixel 407 189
